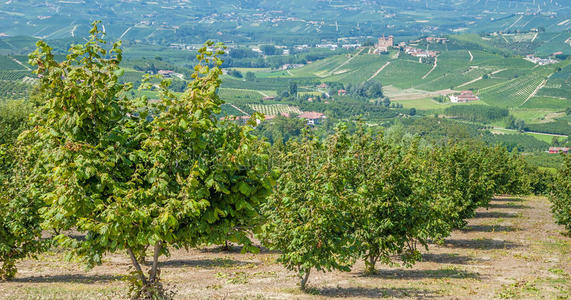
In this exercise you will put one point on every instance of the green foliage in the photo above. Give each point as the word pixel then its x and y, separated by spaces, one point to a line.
pixel 270 50
pixel 127 183
pixel 20 230
pixel 250 76
pixel 281 129
pixel 561 194
pixel 235 73
pixel 461 177
pixel 308 215
pixel 393 204
pixel 351 110
pixel 293 89
pixel 519 142
pixel 540 180
pixel 13 119
pixel 560 126
pixel 369 89
pixel 469 173
pixel 477 113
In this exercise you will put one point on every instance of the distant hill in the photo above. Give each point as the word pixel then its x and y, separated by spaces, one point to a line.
pixel 307 21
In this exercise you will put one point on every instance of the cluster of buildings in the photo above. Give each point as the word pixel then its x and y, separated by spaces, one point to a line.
pixel 556 150
pixel 312 117
pixel 384 44
pixel 170 74
pixel 416 52
pixel 436 40
pixel 291 66
pixel 463 97
pixel 540 61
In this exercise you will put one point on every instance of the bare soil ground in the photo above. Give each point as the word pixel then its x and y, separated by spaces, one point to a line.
pixel 511 250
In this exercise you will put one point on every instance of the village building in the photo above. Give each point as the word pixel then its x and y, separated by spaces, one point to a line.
pixel 290 66
pixel 540 61
pixel 555 150
pixel 312 117
pixel 416 52
pixel 436 40
pixel 351 46
pixel 170 74
pixel 341 92
pixel 465 96
pixel 166 73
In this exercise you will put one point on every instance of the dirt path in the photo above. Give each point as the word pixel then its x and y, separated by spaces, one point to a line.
pixel 20 63
pixel 471 56
pixel 262 93
pixel 125 32
pixel 541 85
pixel 479 78
pixel 503 37
pixel 513 249
pixel 433 67
pixel 379 70
pixel 519 19
pixel 238 109
pixel 346 62
pixel 535 36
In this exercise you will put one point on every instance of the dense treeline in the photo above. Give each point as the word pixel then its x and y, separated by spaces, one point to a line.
pixel 91 160
pixel 477 113
pixel 347 110
pixel 560 126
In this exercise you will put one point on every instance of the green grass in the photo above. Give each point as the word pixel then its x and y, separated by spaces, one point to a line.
pixel 547 103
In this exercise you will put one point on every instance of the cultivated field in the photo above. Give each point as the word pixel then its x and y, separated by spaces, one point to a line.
pixel 275 109
pixel 511 250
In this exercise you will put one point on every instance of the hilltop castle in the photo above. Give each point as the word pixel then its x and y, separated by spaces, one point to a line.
pixel 384 44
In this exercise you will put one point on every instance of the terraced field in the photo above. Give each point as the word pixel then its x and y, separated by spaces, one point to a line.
pixel 515 92
pixel 275 109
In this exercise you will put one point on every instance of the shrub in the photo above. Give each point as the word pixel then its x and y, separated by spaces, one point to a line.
pixel 561 194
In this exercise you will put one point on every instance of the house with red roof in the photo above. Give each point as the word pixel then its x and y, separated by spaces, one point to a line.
pixel 555 150
pixel 312 117
pixel 465 96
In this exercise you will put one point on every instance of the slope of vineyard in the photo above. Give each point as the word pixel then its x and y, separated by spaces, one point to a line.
pixel 514 92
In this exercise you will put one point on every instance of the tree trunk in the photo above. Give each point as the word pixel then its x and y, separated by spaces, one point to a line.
pixel 370 262
pixel 137 266
pixel 226 246
pixel 154 269
pixel 304 277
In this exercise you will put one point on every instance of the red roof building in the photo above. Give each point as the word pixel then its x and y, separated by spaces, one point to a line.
pixel 312 117
pixel 465 96
pixel 555 150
